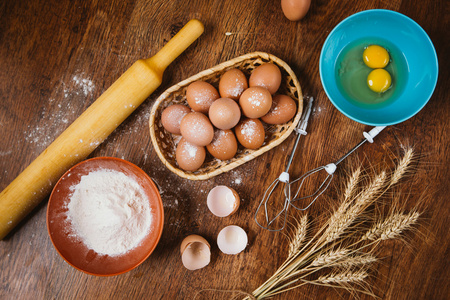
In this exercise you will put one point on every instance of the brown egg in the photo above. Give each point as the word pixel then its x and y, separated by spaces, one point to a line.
pixel 196 128
pixel 189 156
pixel 283 109
pixel 171 117
pixel 255 102
pixel 200 95
pixel 295 10
pixel 250 133
pixel 232 84
pixel 267 76
pixel 224 113
pixel 224 145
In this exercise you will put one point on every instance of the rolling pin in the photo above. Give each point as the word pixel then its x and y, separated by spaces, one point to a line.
pixel 90 129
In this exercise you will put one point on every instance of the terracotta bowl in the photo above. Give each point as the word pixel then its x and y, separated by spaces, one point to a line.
pixel 75 252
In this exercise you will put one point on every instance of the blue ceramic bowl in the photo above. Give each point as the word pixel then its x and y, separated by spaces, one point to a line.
pixel 414 45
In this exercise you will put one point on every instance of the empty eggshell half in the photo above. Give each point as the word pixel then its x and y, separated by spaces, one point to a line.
pixel 195 252
pixel 222 201
pixel 232 240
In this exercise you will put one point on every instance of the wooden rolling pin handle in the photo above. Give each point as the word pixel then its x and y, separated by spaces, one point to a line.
pixel 183 39
pixel 22 195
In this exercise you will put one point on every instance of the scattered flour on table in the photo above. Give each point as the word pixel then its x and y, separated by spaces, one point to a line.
pixel 86 85
pixel 5 153
pixel 109 212
pixel 316 110
pixel 58 117
pixel 43 135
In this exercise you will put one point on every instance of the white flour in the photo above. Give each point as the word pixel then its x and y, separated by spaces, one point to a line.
pixel 109 212
pixel 86 84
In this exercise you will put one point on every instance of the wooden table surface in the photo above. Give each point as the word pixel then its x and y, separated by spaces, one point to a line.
pixel 57 57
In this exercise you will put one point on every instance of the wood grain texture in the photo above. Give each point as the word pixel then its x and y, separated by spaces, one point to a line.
pixel 47 49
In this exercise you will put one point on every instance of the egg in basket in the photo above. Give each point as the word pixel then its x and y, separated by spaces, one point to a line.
pixel 202 163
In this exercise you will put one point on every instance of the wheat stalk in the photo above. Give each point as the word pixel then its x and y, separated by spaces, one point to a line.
pixel 349 192
pixel 329 257
pixel 398 225
pixel 402 166
pixel 298 236
pixel 392 227
pixel 372 191
pixel 340 221
pixel 357 260
pixel 352 183
pixel 343 278
pixel 337 245
pixel 375 231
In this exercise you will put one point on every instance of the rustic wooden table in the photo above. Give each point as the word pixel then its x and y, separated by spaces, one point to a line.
pixel 57 57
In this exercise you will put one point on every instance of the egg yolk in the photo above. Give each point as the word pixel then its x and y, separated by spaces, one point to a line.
pixel 379 80
pixel 376 57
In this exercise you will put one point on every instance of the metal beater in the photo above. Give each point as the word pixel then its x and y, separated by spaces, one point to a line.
pixel 284 178
pixel 300 129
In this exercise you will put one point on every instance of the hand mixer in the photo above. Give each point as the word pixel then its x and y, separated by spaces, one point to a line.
pixel 284 178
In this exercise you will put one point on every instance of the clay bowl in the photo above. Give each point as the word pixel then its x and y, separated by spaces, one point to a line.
pixel 75 252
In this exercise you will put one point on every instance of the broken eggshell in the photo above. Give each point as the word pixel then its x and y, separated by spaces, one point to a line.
pixel 232 240
pixel 222 201
pixel 195 252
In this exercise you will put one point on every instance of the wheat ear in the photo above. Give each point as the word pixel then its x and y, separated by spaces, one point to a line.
pixel 392 226
pixel 352 183
pixel 329 257
pixel 298 236
pixel 357 260
pixel 402 166
pixel 343 278
pixel 340 221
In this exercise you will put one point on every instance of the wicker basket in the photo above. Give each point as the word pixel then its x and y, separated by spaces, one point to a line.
pixel 165 143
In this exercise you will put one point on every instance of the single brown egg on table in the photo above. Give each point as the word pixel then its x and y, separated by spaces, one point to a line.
pixel 224 113
pixel 255 102
pixel 171 117
pixel 189 157
pixel 250 133
pixel 200 95
pixel 295 10
pixel 224 145
pixel 268 76
pixel 232 84
pixel 283 109
pixel 196 128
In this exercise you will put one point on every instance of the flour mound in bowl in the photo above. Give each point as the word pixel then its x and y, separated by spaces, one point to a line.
pixel 109 212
